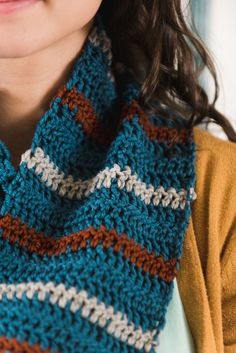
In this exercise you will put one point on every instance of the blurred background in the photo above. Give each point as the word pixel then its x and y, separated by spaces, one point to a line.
pixel 215 21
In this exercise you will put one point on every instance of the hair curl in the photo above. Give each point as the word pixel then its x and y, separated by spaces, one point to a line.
pixel 166 55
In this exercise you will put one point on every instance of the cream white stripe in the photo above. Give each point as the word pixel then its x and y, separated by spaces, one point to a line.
pixel 76 189
pixel 101 39
pixel 117 324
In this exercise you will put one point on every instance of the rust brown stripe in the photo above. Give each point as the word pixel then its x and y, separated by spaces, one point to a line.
pixel 86 115
pixel 103 135
pixel 14 346
pixel 16 232
pixel 157 133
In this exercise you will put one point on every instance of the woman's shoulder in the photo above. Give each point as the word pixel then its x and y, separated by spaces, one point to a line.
pixel 215 183
pixel 215 158
pixel 206 141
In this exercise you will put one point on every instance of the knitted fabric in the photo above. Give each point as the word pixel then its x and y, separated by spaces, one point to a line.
pixel 93 220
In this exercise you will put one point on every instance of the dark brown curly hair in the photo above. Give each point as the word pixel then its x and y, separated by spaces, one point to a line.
pixel 166 55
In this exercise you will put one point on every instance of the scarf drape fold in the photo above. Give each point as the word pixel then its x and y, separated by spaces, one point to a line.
pixel 92 222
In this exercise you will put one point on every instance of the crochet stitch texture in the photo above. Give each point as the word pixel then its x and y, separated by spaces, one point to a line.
pixel 92 222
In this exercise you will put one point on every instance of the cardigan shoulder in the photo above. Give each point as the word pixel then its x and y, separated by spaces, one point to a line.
pixel 215 185
pixel 206 141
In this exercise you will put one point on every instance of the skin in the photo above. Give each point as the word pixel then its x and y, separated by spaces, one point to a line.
pixel 37 49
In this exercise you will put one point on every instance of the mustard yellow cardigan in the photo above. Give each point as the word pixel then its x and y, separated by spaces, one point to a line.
pixel 207 276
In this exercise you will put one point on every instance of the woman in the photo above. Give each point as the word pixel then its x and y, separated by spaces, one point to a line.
pixel 117 213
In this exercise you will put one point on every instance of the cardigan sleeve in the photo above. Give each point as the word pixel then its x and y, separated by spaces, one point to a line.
pixel 216 222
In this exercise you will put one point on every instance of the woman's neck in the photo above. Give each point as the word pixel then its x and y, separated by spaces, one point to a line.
pixel 27 86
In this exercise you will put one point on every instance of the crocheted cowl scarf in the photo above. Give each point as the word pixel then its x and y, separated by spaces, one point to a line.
pixel 93 220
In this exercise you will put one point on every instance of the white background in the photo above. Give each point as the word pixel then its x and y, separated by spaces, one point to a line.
pixel 216 23
pixel 221 37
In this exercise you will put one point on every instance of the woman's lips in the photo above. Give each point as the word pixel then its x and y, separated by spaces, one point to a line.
pixel 9 6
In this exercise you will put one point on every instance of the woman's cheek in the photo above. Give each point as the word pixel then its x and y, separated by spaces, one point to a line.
pixel 42 24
